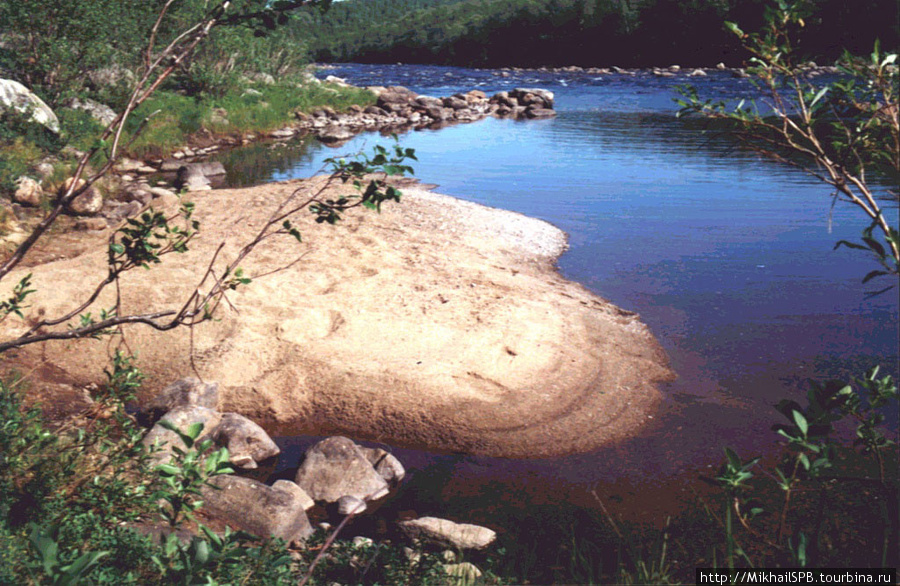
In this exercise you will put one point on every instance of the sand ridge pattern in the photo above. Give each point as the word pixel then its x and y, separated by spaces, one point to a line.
pixel 437 323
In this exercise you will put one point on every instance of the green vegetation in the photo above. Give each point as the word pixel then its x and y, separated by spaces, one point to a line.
pixel 599 33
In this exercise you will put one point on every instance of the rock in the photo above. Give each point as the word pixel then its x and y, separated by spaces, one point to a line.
pixel 28 192
pixel 463 572
pixel 247 443
pixel 182 418
pixel 116 212
pixel 251 92
pixel 91 224
pixel 185 392
pixel 111 75
pixel 545 95
pixel 282 133
pixel 333 80
pixel 351 505
pixel 256 508
pixel 126 165
pixel 335 133
pixel 135 192
pixel 299 493
pixel 375 110
pixel 396 94
pixel 698 73
pixel 447 533
pixel 172 165
pixel 336 467
pixel 45 168
pixel 195 176
pixel 533 112
pixel 360 541
pixel 455 103
pixel 675 68
pixel 385 463
pixel 720 66
pixel 88 203
pixel 15 96
pixel 99 112
pixel 162 192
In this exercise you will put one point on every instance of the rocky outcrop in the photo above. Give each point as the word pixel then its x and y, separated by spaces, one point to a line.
pixel 446 533
pixel 15 96
pixel 257 508
pixel 337 467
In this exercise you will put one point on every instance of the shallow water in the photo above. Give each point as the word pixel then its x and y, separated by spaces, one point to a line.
pixel 728 258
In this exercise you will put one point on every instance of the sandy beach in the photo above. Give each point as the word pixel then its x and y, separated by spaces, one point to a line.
pixel 437 323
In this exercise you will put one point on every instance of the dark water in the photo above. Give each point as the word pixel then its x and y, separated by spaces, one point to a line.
pixel 728 258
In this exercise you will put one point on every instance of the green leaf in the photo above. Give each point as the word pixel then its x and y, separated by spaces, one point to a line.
pixel 801 422
pixel 168 470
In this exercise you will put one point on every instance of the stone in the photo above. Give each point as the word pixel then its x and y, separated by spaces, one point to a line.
pixel 185 392
pixel 99 112
pixel 116 212
pixel 111 75
pixel 545 95
pixel 463 572
pixel 28 192
pixel 720 66
pixel 282 133
pixel 361 541
pixel 182 418
pixel 15 96
pixel 533 112
pixel 157 192
pixel 299 493
pixel 252 506
pixel 247 443
pixel 396 94
pixel 351 505
pixel 44 169
pixel 218 117
pixel 195 176
pixel 335 133
pixel 135 192
pixel 455 103
pixel 334 80
pixel 88 203
pixel 336 467
pixel 91 224
pixel 385 463
pixel 698 73
pixel 447 533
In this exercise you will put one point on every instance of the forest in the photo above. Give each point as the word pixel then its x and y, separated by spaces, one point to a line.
pixel 588 33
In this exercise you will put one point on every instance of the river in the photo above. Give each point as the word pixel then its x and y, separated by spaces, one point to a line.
pixel 727 257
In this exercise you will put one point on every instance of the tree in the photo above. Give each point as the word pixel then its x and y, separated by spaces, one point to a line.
pixel 145 240
pixel 845 133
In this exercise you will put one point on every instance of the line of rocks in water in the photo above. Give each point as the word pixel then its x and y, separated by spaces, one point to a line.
pixel 811 69
pixel 337 478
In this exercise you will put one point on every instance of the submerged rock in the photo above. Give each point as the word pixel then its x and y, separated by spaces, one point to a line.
pixel 447 533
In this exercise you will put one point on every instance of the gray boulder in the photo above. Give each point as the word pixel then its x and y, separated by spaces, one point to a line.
pixel 99 112
pixel 396 94
pixel 88 203
pixel 111 75
pixel 335 133
pixel 15 96
pixel 336 467
pixel 186 392
pixel 299 493
pixel 182 418
pixel 446 533
pixel 247 442
pixel 351 505
pixel 256 508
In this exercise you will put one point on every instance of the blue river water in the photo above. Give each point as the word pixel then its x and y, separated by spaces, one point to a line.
pixel 729 258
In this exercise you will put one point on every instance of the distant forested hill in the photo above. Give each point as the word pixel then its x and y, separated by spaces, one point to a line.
pixel 576 32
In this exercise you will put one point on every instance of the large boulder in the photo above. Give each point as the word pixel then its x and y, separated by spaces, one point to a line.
pixel 164 440
pixel 396 94
pixel 247 442
pixel 185 392
pixel 447 533
pixel 15 96
pixel 336 467
pixel 257 508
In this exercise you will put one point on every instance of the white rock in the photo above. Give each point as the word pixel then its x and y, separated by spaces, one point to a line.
pixel 15 96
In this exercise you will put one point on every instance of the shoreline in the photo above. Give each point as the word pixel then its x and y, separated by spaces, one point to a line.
pixel 439 324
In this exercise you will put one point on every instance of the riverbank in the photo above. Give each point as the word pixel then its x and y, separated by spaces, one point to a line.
pixel 437 323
